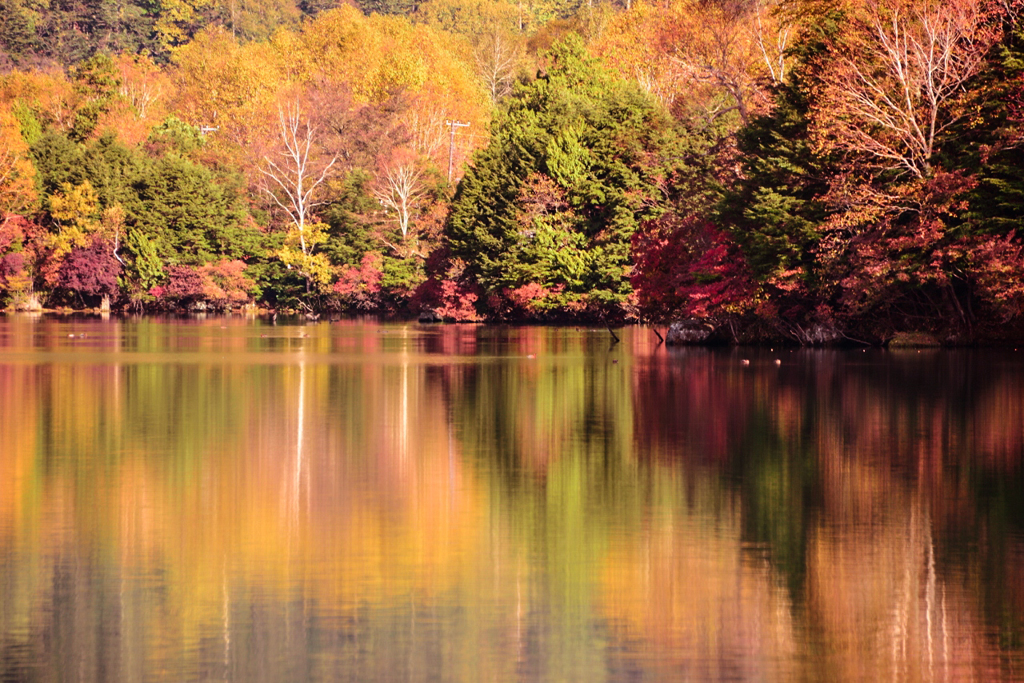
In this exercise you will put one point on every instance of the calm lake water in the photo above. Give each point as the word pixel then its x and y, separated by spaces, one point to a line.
pixel 223 499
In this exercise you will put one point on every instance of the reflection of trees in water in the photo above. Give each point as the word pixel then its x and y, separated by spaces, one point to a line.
pixel 246 501
pixel 515 516
pixel 832 451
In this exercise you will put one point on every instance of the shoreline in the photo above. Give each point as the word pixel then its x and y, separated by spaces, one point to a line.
pixel 698 333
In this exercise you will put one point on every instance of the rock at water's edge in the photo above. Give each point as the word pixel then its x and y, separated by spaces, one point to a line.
pixel 690 331
pixel 429 316
pixel 913 340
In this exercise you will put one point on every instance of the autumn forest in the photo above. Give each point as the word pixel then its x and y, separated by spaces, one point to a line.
pixel 811 171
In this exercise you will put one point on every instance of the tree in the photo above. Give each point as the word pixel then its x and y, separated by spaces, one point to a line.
pixel 399 187
pixel 378 57
pixel 17 174
pixel 96 82
pixel 774 209
pixel 142 84
pixel 70 31
pixel 687 268
pixel 632 46
pixel 292 184
pixel 713 46
pixel 576 160
pixel 987 143
pixel 702 59
pixel 40 101
pixel 178 20
pixel 17 31
pixel 470 18
pixel 90 270
pixel 257 20
pixel 190 215
pixel 232 88
pixel 896 77
pixel 498 58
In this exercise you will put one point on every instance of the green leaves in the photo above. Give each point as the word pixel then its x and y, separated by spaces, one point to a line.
pixel 774 209
pixel 574 165
pixel 145 266
pixel 191 218
pixel 169 210
pixel 568 159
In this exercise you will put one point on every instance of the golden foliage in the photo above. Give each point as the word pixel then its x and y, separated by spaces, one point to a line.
pixel 17 174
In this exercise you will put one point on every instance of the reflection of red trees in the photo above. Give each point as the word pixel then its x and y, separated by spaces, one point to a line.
pixel 691 405
pixel 453 340
pixel 926 420
pixel 927 411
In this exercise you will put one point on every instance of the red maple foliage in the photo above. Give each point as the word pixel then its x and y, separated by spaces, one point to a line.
pixel 449 292
pixel 17 249
pixel 90 271
pixel 219 284
pixel 359 286
pixel 685 267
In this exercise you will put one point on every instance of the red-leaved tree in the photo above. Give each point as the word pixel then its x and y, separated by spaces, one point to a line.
pixel 685 267
pixel 90 271
pixel 358 287
pixel 449 292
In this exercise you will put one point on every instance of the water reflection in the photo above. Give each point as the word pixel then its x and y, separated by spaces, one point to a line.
pixel 221 499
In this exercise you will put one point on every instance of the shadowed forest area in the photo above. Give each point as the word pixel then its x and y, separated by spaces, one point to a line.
pixel 815 171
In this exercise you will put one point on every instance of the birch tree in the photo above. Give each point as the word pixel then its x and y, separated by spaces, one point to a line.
pixel 399 187
pixel 895 83
pixel 292 182
pixel 497 62
pixel 142 85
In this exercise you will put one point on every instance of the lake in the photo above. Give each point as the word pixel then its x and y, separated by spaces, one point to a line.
pixel 226 499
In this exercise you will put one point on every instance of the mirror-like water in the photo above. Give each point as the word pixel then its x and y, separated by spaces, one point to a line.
pixel 229 500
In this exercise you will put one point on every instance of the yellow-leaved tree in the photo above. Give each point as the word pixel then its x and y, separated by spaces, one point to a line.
pixel 17 174
pixel 231 92
pixel 701 59
pixel 377 57
pixel 293 175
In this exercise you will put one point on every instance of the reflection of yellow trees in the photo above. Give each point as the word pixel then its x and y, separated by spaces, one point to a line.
pixel 878 608
pixel 684 586
pixel 377 510
pixel 361 522
pixel 19 446
pixel 538 503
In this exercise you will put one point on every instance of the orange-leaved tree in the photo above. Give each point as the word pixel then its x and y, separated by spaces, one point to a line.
pixel 701 58
pixel 17 174
pixel 895 80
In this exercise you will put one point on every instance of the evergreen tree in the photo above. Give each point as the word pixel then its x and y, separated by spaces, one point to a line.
pixel 17 30
pixel 987 144
pixel 577 159
pixel 191 218
pixel 774 210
